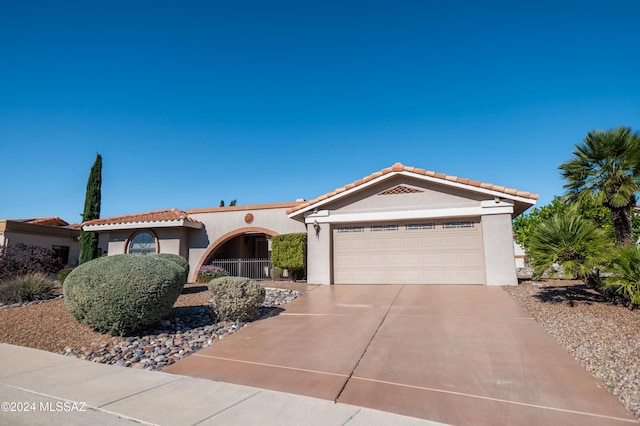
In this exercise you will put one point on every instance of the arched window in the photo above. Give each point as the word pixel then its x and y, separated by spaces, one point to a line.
pixel 142 243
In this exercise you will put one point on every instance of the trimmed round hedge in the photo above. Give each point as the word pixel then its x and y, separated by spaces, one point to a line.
pixel 124 293
pixel 179 260
pixel 236 298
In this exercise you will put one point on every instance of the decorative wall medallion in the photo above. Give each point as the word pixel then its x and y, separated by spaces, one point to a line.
pixel 248 218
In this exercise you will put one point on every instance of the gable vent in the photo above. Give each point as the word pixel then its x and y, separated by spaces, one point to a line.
pixel 400 189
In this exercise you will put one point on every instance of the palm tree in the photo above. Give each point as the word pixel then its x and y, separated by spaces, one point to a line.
pixel 569 241
pixel 607 167
pixel 625 272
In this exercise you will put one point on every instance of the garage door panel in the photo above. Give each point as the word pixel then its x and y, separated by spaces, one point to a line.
pixel 450 242
pixel 399 255
pixel 413 258
pixel 393 243
pixel 451 259
pixel 413 243
pixel 431 260
pixel 431 242
pixel 360 260
pixel 474 259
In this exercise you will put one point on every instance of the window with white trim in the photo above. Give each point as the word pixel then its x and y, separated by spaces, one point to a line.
pixel 419 226
pixel 384 228
pixel 344 229
pixel 457 225
pixel 142 243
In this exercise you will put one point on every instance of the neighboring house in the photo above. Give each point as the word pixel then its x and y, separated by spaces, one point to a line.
pixel 522 261
pixel 50 232
pixel 401 225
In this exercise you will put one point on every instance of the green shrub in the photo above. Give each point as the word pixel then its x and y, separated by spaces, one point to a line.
pixel 63 273
pixel 209 272
pixel 289 251
pixel 625 270
pixel 27 288
pixel 236 298
pixel 124 293
pixel 570 241
pixel 179 260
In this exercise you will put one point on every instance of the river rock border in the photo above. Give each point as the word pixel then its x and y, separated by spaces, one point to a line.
pixel 188 330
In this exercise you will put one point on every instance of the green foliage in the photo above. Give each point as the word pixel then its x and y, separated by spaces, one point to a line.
pixel 625 270
pixel 21 259
pixel 209 272
pixel 178 260
pixel 571 242
pixel 89 240
pixel 289 251
pixel 587 208
pixel 27 288
pixel 606 167
pixel 63 273
pixel 236 298
pixel 124 293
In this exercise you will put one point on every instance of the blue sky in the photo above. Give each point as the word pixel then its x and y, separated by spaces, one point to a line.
pixel 193 102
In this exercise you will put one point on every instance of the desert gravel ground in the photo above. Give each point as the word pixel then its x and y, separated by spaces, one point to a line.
pixel 603 337
pixel 48 326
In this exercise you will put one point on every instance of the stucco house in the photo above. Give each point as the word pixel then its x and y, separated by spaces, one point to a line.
pixel 48 232
pixel 400 225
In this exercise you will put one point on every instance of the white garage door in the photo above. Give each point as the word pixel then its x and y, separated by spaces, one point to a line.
pixel 425 252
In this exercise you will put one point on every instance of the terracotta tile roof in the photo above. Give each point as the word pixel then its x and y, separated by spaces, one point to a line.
pixel 249 207
pixel 48 221
pixel 154 216
pixel 399 167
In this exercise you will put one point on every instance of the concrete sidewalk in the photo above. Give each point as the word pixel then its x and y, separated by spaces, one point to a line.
pixel 42 388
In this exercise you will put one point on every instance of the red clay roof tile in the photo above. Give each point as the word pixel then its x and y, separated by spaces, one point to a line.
pixel 399 167
pixel 153 216
pixel 47 221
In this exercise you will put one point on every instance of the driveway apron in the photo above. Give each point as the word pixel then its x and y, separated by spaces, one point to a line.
pixel 452 354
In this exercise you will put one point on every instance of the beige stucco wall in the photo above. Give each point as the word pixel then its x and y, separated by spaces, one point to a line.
pixel 170 240
pixel 436 201
pixel 219 226
pixel 434 197
pixel 223 223
pixel 319 255
pixel 498 250
pixel 42 236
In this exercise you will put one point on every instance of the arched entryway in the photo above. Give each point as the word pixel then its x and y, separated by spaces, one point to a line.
pixel 242 252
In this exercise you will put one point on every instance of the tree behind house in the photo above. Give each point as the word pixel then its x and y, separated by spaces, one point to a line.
pixel 606 167
pixel 89 240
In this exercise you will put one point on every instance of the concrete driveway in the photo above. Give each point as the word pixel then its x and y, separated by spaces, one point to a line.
pixel 453 354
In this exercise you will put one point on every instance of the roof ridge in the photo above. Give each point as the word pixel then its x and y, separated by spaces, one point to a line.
pixel 398 167
pixel 128 218
pixel 245 207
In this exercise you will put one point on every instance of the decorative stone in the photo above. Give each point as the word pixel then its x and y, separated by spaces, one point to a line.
pixel 167 344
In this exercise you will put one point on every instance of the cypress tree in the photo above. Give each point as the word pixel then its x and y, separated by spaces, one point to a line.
pixel 89 240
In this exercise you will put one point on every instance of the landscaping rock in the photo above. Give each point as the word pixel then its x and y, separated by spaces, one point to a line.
pixel 176 338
